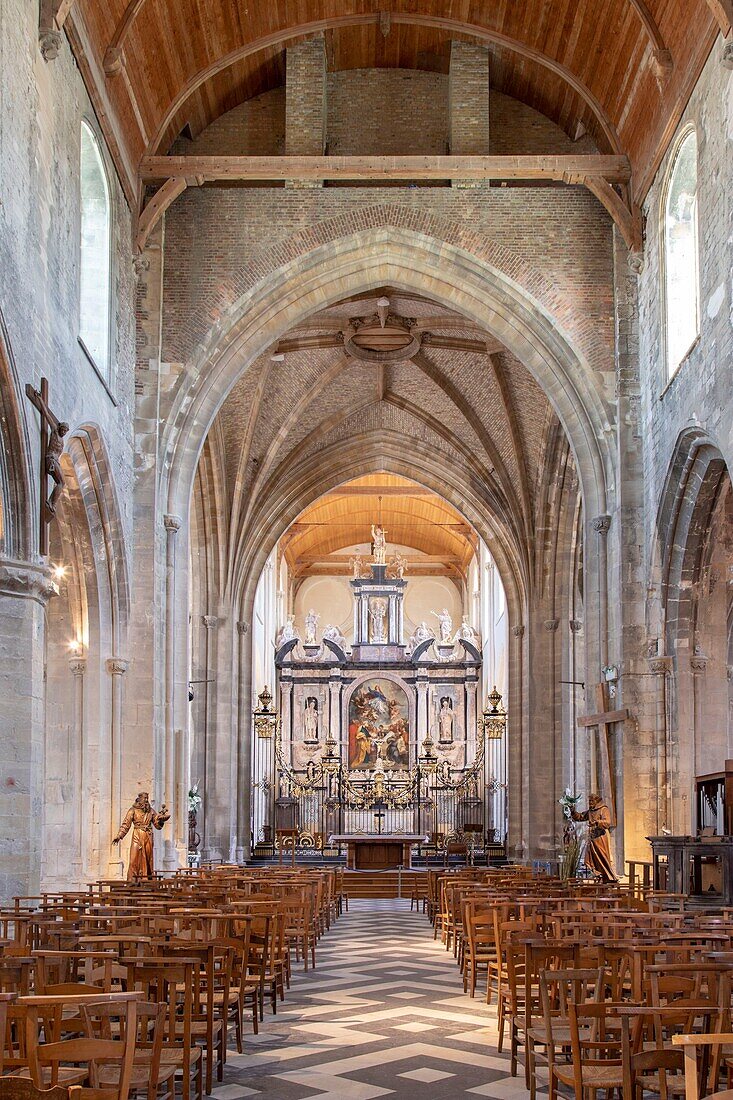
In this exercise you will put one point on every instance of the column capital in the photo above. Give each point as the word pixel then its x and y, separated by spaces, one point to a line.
pixel 575 625
pixel 698 662
pixel 242 628
pixel 660 666
pixel 209 621
pixel 77 665
pixel 518 631
pixel 172 523
pixel 551 625
pixel 117 666
pixel 26 581
pixel 601 524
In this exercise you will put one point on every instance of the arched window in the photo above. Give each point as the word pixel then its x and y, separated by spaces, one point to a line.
pixel 96 252
pixel 680 254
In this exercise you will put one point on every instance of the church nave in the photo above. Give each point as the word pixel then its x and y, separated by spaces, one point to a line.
pixel 384 1014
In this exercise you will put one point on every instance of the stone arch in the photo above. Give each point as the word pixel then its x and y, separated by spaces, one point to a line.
pixel 18 497
pixel 505 297
pixel 692 559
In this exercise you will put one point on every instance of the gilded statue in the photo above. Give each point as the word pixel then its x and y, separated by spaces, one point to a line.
pixel 142 819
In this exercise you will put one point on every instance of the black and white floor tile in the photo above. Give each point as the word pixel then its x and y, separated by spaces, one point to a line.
pixel 383 1014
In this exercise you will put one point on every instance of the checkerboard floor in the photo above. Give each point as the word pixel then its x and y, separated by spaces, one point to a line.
pixel 383 1014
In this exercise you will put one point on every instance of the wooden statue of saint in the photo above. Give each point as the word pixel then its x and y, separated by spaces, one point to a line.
pixel 142 819
pixel 53 431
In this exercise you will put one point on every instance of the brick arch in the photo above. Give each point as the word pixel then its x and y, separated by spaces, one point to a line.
pixel 305 274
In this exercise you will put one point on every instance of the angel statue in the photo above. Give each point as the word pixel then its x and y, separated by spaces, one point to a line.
pixel 396 567
pixel 286 633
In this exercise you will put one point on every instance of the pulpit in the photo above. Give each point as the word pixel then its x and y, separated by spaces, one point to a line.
pixel 378 852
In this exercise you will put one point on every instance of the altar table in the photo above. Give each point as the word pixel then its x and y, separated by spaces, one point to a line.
pixel 375 852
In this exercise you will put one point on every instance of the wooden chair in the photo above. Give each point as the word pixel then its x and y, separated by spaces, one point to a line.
pixel 171 981
pixel 22 1088
pixel 690 1045
pixel 75 1060
pixel 558 989
pixel 595 1050
pixel 147 1072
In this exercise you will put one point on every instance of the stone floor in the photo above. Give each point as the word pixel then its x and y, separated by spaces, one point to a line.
pixel 384 1014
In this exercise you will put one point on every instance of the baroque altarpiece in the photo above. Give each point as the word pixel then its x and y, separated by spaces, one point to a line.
pixel 382 736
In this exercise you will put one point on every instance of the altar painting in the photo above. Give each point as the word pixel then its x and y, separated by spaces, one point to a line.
pixel 379 726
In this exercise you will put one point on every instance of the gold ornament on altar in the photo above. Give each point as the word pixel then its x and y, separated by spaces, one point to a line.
pixel 493 720
pixel 265 720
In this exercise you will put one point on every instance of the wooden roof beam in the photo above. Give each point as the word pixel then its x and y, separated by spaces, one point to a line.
pixel 722 11
pixel 613 168
pixel 51 18
pixel 660 53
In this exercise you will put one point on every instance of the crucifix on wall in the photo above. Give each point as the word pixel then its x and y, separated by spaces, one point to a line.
pixel 603 720
pixel 53 431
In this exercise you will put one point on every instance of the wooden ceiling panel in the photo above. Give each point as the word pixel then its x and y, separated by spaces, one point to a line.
pixel 555 52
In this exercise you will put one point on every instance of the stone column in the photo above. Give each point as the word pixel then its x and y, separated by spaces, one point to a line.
pixel 553 704
pixel 77 770
pixel 468 104
pixel 421 717
pixel 167 761
pixel 334 725
pixel 601 525
pixel 209 621
pixel 661 668
pixel 305 102
pixel 517 735
pixel 698 667
pixel 24 592
pixel 244 742
pixel 116 667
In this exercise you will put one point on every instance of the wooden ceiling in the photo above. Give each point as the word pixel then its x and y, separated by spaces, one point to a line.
pixel 624 69
pixel 441 541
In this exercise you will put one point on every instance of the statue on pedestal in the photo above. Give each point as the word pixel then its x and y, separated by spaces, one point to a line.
pixel 333 634
pixel 446 625
pixel 445 721
pixel 142 819
pixel 311 625
pixel 357 567
pixel 310 719
pixel 379 544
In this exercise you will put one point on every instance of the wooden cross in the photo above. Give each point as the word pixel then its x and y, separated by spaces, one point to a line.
pixel 53 431
pixel 602 721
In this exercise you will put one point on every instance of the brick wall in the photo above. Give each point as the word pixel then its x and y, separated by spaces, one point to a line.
pixel 305 95
pixel 468 99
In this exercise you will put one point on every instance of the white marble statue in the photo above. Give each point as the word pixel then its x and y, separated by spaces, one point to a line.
pixel 379 541
pixel 333 634
pixel 310 719
pixel 357 567
pixel 446 625
pixel 311 625
pixel 445 721
pixel 422 634
pixel 396 568
pixel 377 617
pixel 466 632
pixel 286 633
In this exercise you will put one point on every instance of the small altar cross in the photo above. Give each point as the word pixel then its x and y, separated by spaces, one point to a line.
pixel 379 816
pixel 53 431
pixel 603 720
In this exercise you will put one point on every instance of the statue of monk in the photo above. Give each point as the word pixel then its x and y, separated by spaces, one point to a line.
pixel 141 818
pixel 598 856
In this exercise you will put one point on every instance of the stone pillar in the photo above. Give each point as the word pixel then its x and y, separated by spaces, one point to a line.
pixel 24 592
pixel 698 667
pixel 334 724
pixel 116 667
pixel 305 102
pixel 167 760
pixel 209 621
pixel 244 742
pixel 468 104
pixel 601 525
pixel 661 668
pixel 517 735
pixel 78 769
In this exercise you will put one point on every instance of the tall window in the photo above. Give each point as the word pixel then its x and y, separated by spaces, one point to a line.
pixel 680 254
pixel 96 253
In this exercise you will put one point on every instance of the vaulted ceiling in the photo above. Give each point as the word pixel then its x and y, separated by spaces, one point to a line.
pixel 452 394
pixel 622 68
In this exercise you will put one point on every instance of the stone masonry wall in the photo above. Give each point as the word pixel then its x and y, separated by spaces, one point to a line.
pixel 41 109
pixel 697 397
